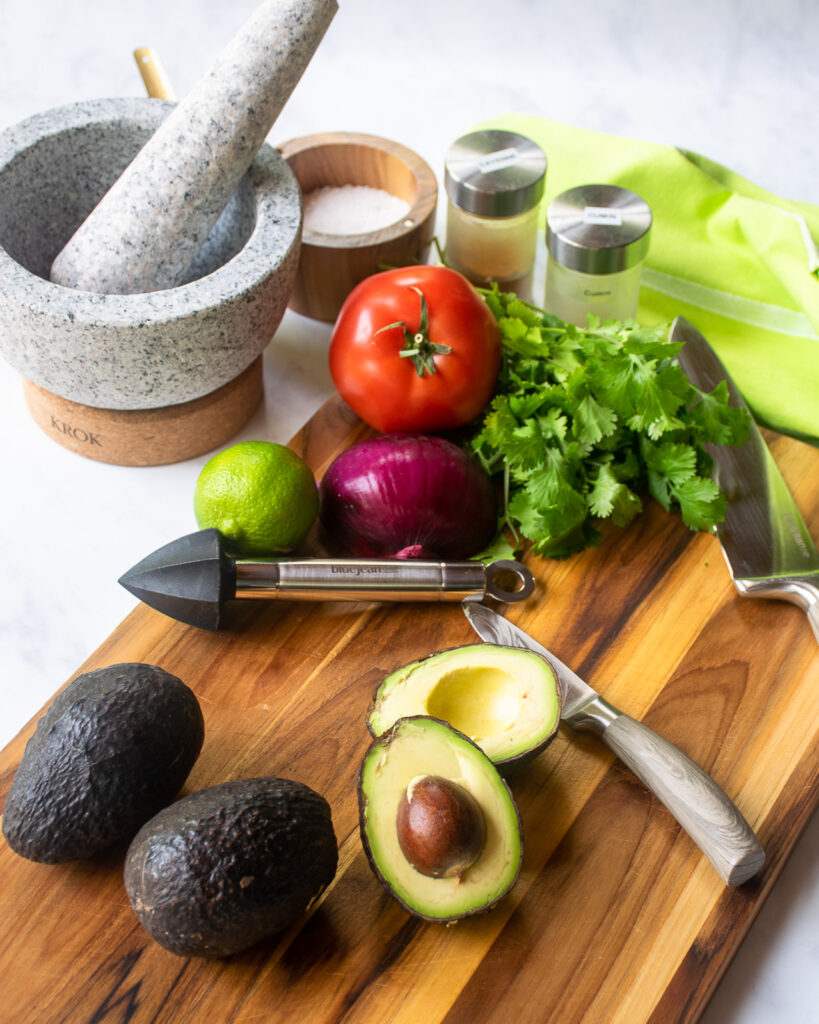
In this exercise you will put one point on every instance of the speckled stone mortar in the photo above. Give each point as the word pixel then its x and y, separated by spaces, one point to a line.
pixel 147 350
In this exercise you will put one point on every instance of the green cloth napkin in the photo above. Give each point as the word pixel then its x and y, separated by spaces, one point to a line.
pixel 740 263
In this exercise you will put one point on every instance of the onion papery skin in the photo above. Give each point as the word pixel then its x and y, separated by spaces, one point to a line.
pixel 407 496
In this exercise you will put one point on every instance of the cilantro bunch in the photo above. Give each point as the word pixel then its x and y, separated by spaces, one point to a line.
pixel 585 421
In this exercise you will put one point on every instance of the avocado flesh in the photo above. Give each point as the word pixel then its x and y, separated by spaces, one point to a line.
pixel 505 699
pixel 423 745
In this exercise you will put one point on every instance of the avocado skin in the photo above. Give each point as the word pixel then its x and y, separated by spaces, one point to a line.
pixel 224 867
pixel 113 748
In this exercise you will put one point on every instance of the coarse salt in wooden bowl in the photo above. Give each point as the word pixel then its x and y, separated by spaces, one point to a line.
pixel 332 264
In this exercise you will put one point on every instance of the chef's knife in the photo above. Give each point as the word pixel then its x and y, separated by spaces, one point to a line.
pixel 696 801
pixel 765 542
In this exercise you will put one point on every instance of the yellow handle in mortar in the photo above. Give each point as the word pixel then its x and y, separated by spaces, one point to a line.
pixel 153 74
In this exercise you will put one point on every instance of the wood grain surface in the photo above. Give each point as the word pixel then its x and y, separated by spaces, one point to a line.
pixel 617 916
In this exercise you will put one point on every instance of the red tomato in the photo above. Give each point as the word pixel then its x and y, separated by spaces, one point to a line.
pixel 451 341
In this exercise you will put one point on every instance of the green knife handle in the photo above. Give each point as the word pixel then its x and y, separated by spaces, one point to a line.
pixel 696 801
pixel 800 590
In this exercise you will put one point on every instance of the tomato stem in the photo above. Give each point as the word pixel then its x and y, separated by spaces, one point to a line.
pixel 417 346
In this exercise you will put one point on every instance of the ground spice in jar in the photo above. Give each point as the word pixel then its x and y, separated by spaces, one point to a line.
pixel 597 237
pixel 494 183
pixel 351 209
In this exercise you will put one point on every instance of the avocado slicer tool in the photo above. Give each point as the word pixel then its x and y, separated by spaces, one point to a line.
pixel 193 578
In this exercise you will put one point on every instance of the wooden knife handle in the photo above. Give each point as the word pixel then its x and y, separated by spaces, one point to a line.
pixel 696 801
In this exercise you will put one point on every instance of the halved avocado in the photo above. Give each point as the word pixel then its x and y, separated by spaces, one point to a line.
pixel 412 752
pixel 505 699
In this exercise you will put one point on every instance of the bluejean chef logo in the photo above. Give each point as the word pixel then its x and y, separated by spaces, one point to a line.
pixel 363 570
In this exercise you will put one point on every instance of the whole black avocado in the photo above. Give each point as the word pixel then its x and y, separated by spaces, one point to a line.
pixel 226 866
pixel 113 748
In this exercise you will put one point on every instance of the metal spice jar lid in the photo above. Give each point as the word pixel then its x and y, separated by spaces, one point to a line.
pixel 493 173
pixel 598 229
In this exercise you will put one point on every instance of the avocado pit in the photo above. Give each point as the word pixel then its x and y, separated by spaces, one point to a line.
pixel 441 828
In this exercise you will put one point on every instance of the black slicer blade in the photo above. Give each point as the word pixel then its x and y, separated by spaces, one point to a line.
pixel 189 579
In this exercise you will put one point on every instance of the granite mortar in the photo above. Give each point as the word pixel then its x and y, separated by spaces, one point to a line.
pixel 146 350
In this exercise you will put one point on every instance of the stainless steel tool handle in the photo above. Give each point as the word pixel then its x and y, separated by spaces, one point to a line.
pixel 800 590
pixel 696 801
pixel 361 579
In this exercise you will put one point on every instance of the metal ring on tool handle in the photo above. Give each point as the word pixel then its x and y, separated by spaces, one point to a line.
pixel 507 566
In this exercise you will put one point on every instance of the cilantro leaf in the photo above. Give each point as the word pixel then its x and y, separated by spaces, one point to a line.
pixel 719 422
pixel 614 383
pixel 549 486
pixel 593 421
pixel 610 497
pixel 499 422
pixel 655 410
pixel 651 342
pixel 701 503
pixel 667 464
pixel 525 447
pixel 676 462
pixel 525 404
pixel 554 424
pixel 497 549
pixel 560 530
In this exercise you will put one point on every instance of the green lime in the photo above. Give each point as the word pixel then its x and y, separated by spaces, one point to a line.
pixel 260 496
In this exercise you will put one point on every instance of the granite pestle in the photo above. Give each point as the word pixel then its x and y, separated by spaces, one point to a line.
pixel 146 231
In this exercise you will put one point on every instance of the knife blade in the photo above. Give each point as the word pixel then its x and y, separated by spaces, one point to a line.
pixel 704 810
pixel 764 539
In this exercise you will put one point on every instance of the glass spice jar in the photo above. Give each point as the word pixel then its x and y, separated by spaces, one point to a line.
pixel 494 182
pixel 597 237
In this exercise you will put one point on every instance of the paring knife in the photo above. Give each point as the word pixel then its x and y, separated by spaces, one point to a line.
pixel 192 579
pixel 765 542
pixel 696 801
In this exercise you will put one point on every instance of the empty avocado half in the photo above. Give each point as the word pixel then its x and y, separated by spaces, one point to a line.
pixel 438 823
pixel 504 698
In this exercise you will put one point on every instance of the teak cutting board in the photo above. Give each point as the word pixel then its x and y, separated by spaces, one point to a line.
pixel 617 917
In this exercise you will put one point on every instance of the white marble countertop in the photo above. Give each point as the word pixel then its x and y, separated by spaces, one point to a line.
pixel 736 80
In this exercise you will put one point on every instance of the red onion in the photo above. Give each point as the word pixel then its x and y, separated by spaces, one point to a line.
pixel 407 496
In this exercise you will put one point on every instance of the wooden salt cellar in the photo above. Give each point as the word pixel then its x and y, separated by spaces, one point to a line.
pixel 332 265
